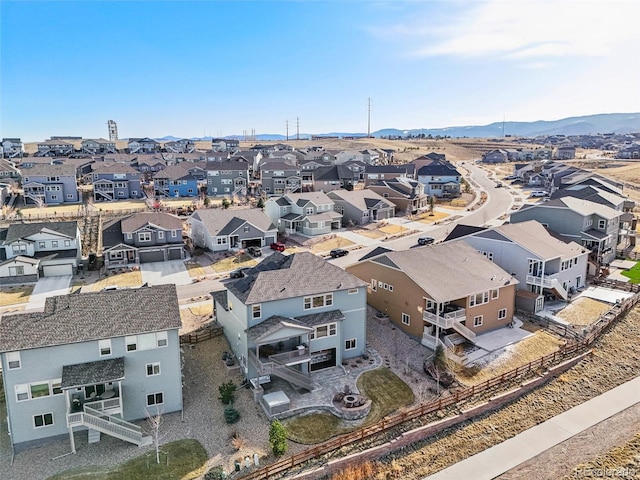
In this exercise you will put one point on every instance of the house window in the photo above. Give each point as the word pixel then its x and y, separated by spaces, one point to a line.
pixel 19 249
pixel 67 243
pixel 56 387
pixel 385 286
pixel 160 234
pixel 16 271
pixel 104 347
pixel 38 390
pixel 391 288
pixel 13 360
pixel 478 299
pixel 318 301
pixel 406 319
pixel 42 245
pixel 374 284
pixel 132 343
pixel 22 392
pixel 352 291
pixel 162 339
pixel 222 240
pixel 54 197
pixel 43 420
pixel 350 344
pixel 174 233
pixel 129 236
pixel 69 196
pixel 322 331
pixel 602 224
pixel 502 314
pixel 153 369
pixel 144 236
pixel 494 294
pixel 54 244
pixel 256 311
pixel 477 321
pixel 247 228
pixel 155 399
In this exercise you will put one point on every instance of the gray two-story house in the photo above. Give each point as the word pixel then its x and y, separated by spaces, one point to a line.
pixel 311 213
pixel 116 181
pixel 227 178
pixel 359 207
pixel 142 238
pixel 54 148
pixel 279 177
pixel 282 321
pixel 91 362
pixel 47 184
pixel 440 179
pixel 98 146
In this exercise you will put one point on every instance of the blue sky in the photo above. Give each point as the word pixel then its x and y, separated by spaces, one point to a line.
pixel 219 67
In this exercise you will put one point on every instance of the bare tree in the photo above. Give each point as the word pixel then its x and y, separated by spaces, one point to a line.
pixel 154 423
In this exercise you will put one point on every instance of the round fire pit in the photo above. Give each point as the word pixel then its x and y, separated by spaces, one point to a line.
pixel 349 401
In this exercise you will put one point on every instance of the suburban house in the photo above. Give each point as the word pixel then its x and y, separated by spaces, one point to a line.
pixel 9 173
pixel 180 146
pixel 375 173
pixel 592 225
pixel 149 165
pixel 175 181
pixel 360 207
pixel 12 148
pixel 326 179
pixel 47 184
pixel 31 250
pixel 105 359
pixel 407 195
pixel 143 145
pixel 142 238
pixel 357 167
pixel 54 148
pixel 98 146
pixel 115 181
pixel 279 177
pixel 440 179
pixel 444 289
pixel 282 321
pixel 227 178
pixel 309 213
pixel 224 145
pixel 222 229
pixel 565 152
pixel 543 264
pixel 496 156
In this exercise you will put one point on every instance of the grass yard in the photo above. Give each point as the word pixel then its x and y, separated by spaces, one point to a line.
pixel 195 269
pixel 14 295
pixel 521 353
pixel 231 263
pixel 369 233
pixel 583 311
pixel 387 392
pixel 390 229
pixel 633 274
pixel 121 280
pixel 326 245
pixel 184 459
pixel 428 218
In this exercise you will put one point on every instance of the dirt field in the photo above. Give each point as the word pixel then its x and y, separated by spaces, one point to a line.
pixel 583 311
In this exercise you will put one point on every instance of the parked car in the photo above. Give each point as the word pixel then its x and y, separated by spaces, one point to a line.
pixel 338 252
pixel 278 246
pixel 510 177
pixel 499 185
pixel 539 193
pixel 517 180
pixel 425 240
pixel 239 273
pixel 254 251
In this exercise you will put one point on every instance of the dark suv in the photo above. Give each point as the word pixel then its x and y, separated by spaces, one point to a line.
pixel 239 273
pixel 338 252
pixel 425 241
pixel 254 251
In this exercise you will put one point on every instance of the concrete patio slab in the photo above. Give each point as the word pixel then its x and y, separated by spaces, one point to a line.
pixel 605 294
pixel 161 273
pixel 48 287
pixel 502 337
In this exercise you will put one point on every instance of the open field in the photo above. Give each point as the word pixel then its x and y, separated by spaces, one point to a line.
pixel 15 295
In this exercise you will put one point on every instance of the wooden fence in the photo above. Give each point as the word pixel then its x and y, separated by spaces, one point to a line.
pixel 571 349
pixel 562 330
pixel 197 337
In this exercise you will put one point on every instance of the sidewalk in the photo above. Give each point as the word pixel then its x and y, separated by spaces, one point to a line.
pixel 503 457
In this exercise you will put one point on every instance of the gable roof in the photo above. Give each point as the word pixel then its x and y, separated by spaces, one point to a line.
pixel 448 271
pixel 441 168
pixel 84 317
pixel 48 169
pixel 113 167
pixel 174 172
pixel 407 168
pixel 228 165
pixel 361 199
pixel 163 220
pixel 17 231
pixel 223 221
pixel 288 276
pixel 301 199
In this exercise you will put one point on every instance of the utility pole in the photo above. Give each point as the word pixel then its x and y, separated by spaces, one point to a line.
pixel 503 135
pixel 369 118
pixel 297 128
pixel 287 125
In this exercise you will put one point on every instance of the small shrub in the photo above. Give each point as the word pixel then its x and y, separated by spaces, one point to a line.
pixel 227 392
pixel 231 415
pixel 238 442
pixel 216 473
pixel 277 438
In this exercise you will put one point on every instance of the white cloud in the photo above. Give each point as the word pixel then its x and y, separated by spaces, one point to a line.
pixel 519 30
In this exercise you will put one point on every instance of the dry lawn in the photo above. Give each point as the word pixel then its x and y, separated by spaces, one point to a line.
pixel 369 233
pixel 531 348
pixel 430 218
pixel 15 295
pixel 195 269
pixel 391 229
pixel 121 280
pixel 231 263
pixel 194 318
pixel 583 311
pixel 331 243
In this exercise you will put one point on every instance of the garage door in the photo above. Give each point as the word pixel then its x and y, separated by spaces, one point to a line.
pixel 175 254
pixel 252 242
pixel 57 270
pixel 155 256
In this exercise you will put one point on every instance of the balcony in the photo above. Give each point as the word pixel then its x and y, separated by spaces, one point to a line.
pixel 545 281
pixel 446 319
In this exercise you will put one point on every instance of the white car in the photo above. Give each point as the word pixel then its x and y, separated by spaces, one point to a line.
pixel 539 193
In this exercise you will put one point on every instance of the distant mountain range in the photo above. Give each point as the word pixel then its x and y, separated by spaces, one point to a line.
pixel 590 124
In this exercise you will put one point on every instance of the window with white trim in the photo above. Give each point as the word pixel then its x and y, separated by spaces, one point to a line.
pixel 391 288
pixel 153 369
pixel 45 388
pixel 42 245
pixel 155 399
pixel 352 291
pixel 321 331
pixel 494 293
pixel 144 236
pixel 502 314
pixel 104 347
pixel 406 319
pixel 602 224
pixel 478 299
pixel 222 240
pixel 477 321
pixel 374 284
pixel 67 243
pixel 318 301
pixel 43 420
pixel 13 360
pixel 350 344
pixel 160 234
pixel 256 311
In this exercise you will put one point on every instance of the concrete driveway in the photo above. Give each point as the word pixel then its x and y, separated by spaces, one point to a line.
pixel 160 273
pixel 48 287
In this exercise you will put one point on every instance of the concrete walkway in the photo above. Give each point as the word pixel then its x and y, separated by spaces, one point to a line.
pixel 509 454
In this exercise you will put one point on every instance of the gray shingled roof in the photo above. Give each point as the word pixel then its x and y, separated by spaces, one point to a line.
pixel 174 172
pixel 17 231
pixel 46 169
pixel 92 316
pixel 288 276
pixel 163 220
pixel 115 167
pixel 271 325
pixel 90 373
pixel 217 220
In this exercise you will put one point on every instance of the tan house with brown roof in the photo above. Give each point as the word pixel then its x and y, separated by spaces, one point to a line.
pixel 443 289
